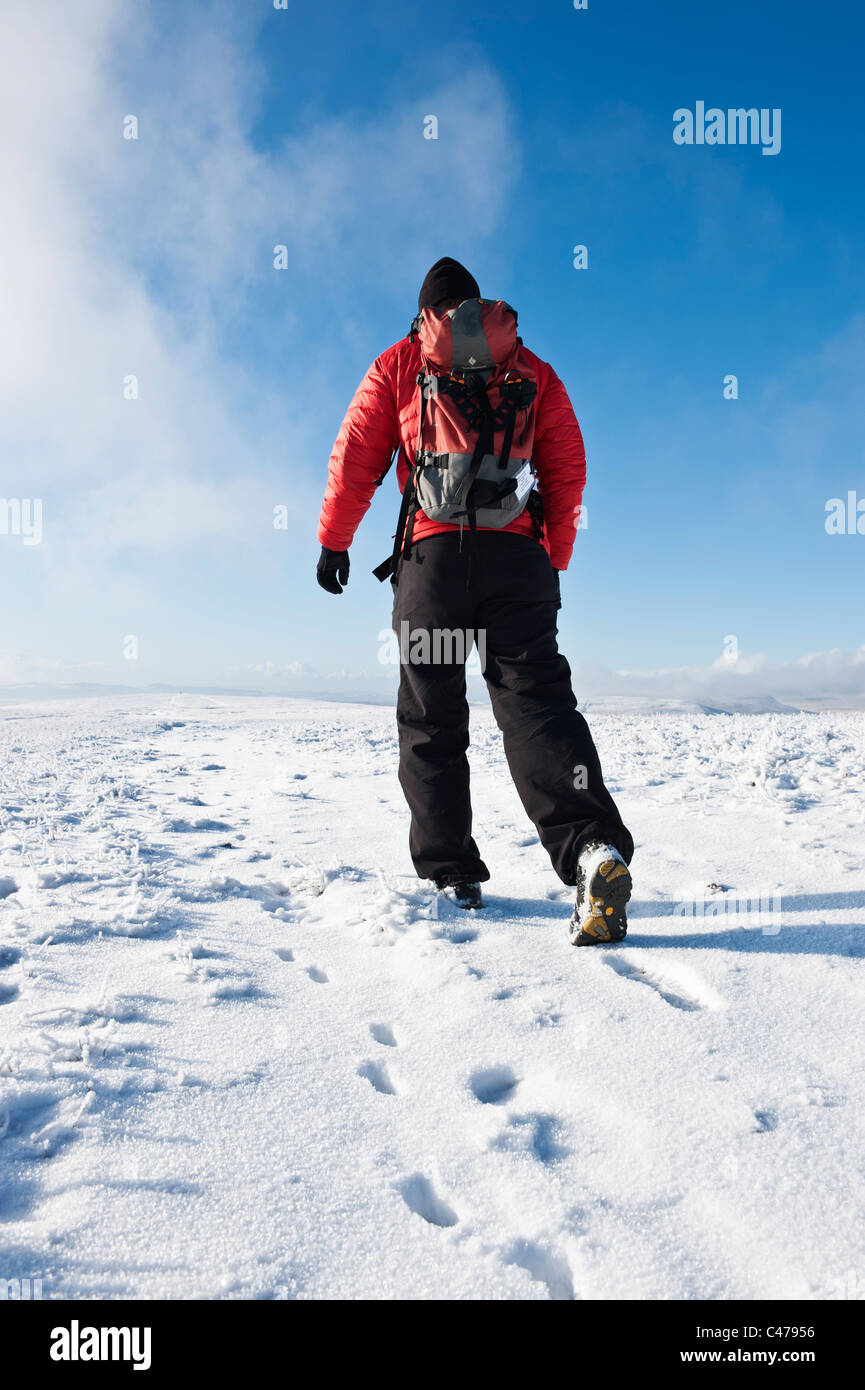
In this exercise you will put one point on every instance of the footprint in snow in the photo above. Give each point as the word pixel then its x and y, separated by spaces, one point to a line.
pixel 317 974
pixel 544 1265
pixel 9 955
pixel 237 989
pixel 8 886
pixel 284 953
pixel 547 1018
pixel 383 1034
pixel 8 993
pixel 185 827
pixel 42 1123
pixel 535 1134
pixel 376 1074
pixel 493 1085
pixel 765 1121
pixel 420 1197
pixel 460 936
pixel 678 984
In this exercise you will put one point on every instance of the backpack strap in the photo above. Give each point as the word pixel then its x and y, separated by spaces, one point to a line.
pixel 408 506
pixel 508 439
pixel 485 444
pixel 388 466
pixel 516 393
pixel 535 509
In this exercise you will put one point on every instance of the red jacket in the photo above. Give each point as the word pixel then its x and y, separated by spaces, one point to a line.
pixel 385 411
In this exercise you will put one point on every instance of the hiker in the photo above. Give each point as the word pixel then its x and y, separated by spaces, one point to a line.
pixel 491 465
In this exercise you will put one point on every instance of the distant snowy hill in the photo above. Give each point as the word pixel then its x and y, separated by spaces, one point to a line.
pixel 652 704
pixel 244 1052
pixel 382 691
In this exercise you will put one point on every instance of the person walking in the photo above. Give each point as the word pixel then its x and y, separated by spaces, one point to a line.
pixel 491 465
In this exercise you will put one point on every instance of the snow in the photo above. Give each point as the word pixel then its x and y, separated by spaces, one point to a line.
pixel 244 1053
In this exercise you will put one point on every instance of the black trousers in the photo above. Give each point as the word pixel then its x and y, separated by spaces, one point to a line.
pixel 502 588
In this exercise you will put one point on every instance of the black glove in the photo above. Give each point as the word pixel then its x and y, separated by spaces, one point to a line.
pixel 332 572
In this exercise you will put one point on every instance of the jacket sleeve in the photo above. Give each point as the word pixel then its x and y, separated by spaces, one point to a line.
pixel 367 438
pixel 560 462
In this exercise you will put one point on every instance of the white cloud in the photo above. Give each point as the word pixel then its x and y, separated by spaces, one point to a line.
pixel 834 675
pixel 152 258
pixel 132 257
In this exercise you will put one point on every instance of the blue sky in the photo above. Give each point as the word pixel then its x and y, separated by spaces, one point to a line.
pixel 304 127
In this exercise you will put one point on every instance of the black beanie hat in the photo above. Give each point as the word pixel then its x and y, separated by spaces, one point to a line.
pixel 447 280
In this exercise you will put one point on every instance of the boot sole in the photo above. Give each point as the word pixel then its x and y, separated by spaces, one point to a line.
pixel 609 893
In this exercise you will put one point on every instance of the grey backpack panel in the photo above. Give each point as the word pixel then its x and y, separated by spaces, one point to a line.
pixel 442 491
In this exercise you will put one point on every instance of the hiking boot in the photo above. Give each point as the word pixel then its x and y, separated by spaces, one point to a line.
pixel 603 890
pixel 467 894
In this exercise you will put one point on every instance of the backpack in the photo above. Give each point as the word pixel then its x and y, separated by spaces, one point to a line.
pixel 472 464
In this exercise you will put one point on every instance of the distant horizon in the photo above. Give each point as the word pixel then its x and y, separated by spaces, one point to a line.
pixel 803 685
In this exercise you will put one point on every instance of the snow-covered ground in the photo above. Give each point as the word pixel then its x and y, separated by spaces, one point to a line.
pixel 245 1053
